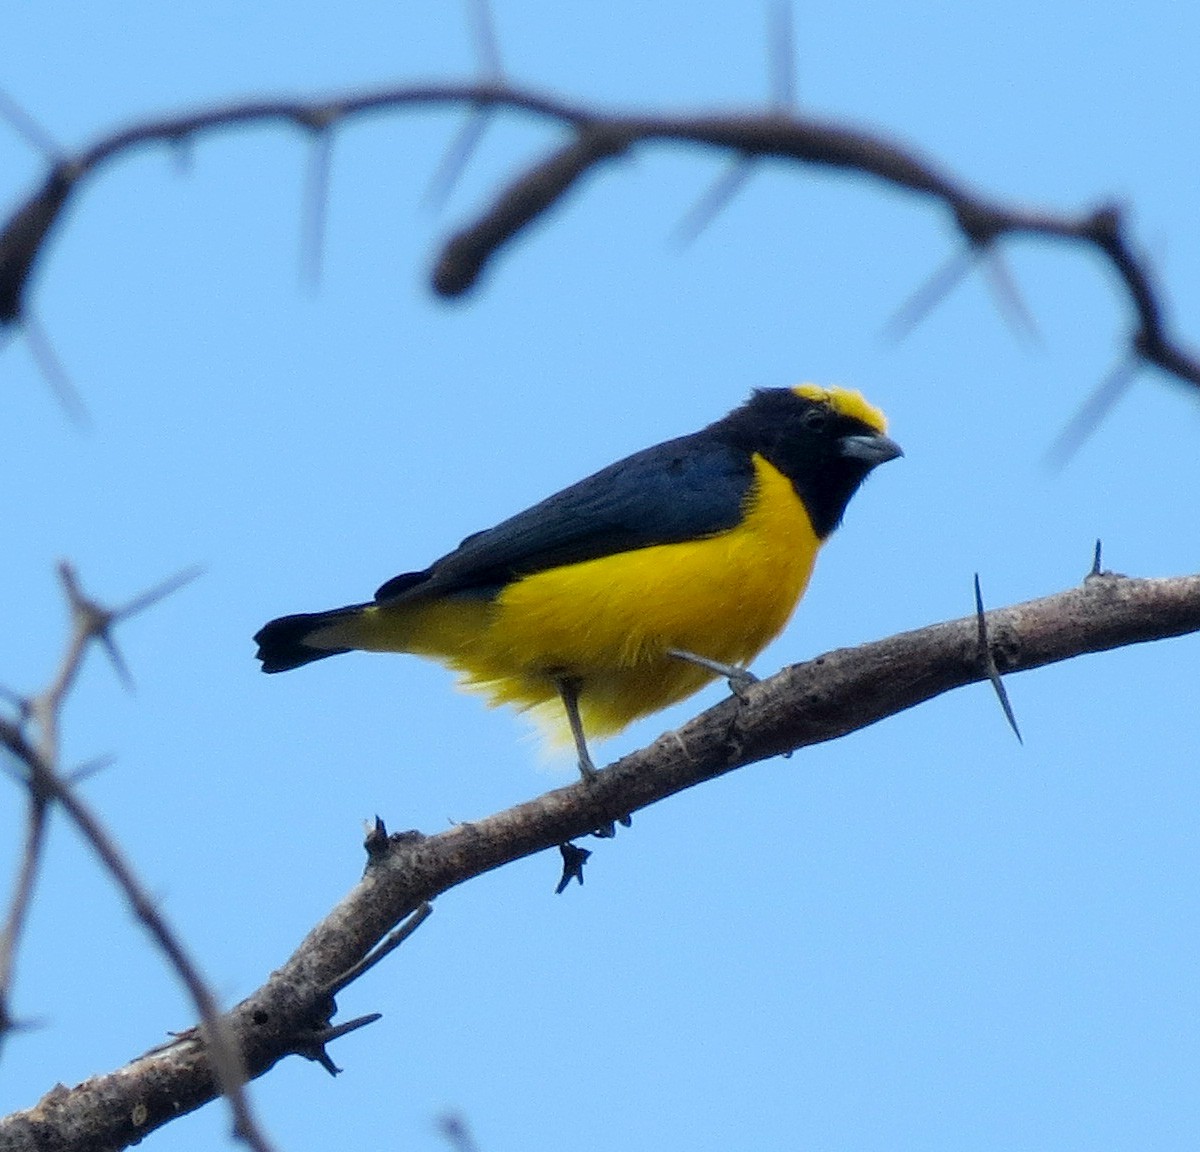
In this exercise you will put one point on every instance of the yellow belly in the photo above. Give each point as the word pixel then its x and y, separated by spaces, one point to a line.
pixel 609 622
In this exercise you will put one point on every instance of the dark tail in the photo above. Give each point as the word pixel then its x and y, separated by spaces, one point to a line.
pixel 282 642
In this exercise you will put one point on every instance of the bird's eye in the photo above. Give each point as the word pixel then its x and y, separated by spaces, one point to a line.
pixel 815 420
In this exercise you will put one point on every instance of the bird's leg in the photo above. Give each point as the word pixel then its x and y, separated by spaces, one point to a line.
pixel 739 678
pixel 568 689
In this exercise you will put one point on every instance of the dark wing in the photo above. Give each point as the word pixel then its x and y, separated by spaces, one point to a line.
pixel 680 490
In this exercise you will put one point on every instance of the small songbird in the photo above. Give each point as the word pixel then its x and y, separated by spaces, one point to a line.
pixel 633 588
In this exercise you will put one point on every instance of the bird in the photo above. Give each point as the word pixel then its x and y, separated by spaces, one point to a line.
pixel 633 588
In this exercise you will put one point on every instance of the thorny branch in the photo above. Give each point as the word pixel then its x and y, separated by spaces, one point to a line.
pixel 805 704
pixel 40 771
pixel 595 136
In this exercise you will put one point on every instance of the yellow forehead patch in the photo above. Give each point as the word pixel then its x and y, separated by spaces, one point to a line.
pixel 846 402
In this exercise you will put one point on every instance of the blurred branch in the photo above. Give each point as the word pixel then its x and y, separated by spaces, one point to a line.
pixel 38 761
pixel 12 738
pixel 595 136
pixel 805 704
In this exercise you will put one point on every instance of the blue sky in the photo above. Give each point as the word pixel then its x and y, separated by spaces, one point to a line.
pixel 921 936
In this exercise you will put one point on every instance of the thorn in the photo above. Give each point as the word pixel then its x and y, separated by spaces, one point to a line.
pixel 374 832
pixel 116 659
pixel 933 291
pixel 1009 301
pixel 454 1128
pixel 103 619
pixel 573 858
pixel 465 141
pixel 320 1056
pixel 70 582
pixel 313 1047
pixel 53 371
pixel 487 46
pixel 378 843
pixel 781 45
pixel 95 618
pixel 1098 571
pixel 89 768
pixel 19 702
pixel 454 160
pixel 1091 413
pixel 993 673
pixel 97 621
pixel 159 592
pixel 723 189
pixel 9 1025
pixel 314 210
pixel 337 1031
pixel 25 125
pixel 407 927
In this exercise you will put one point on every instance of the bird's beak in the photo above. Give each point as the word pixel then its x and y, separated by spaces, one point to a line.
pixel 871 450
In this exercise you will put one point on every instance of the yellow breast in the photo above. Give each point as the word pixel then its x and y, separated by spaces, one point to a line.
pixel 609 622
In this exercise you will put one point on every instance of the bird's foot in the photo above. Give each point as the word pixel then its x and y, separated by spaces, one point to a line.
pixel 739 678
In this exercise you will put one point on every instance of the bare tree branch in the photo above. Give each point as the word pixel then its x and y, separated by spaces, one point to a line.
pixel 805 704
pixel 92 623
pixel 596 137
